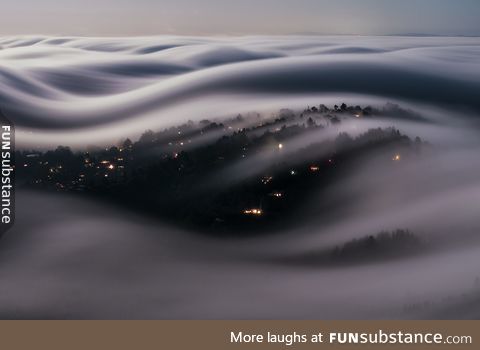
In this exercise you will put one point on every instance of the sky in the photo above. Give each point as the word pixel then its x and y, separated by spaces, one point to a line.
pixel 246 17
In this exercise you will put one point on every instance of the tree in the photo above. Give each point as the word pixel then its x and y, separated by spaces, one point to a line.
pixel 147 137
pixel 127 144
pixel 311 123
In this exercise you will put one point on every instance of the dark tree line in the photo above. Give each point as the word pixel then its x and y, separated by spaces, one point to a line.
pixel 168 175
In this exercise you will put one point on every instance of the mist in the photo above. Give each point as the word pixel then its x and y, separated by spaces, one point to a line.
pixel 72 256
pixel 63 90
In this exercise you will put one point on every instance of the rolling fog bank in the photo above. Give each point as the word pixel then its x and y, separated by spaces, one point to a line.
pixel 67 90
pixel 72 258
pixel 68 256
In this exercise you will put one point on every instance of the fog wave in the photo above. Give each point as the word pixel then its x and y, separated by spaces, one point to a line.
pixel 58 89
pixel 73 257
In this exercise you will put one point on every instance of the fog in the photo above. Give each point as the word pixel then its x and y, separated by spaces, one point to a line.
pixel 73 258
pixel 69 256
pixel 63 90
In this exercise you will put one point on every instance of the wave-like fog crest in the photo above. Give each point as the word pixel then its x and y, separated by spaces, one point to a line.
pixel 101 262
pixel 53 86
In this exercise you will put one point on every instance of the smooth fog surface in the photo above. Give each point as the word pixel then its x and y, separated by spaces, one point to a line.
pixel 77 259
pixel 69 257
pixel 66 90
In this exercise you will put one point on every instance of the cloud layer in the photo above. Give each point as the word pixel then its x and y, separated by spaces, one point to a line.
pixel 75 258
pixel 59 89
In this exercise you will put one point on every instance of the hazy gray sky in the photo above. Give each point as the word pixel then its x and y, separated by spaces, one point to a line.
pixel 220 17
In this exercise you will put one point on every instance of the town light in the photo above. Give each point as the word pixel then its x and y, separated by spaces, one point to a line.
pixel 254 211
pixel 266 179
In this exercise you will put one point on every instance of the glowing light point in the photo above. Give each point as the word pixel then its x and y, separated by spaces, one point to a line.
pixel 280 146
pixel 254 211
pixel 396 157
pixel 266 179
